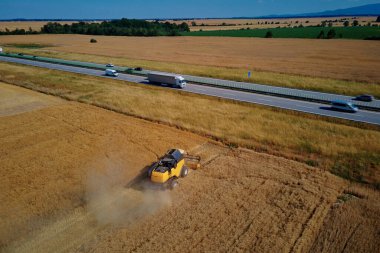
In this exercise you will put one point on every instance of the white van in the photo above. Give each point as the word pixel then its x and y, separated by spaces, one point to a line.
pixel 111 72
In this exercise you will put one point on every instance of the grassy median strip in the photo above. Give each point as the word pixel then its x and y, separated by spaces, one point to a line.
pixel 351 151
pixel 328 85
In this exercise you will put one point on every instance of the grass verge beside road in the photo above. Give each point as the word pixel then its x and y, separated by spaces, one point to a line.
pixel 348 150
pixel 344 87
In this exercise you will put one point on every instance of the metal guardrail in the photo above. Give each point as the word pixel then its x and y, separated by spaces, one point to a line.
pixel 244 86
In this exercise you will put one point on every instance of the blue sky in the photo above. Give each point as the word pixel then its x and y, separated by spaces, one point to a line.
pixel 88 9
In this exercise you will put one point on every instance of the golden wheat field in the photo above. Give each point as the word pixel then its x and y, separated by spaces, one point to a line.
pixel 73 166
pixel 66 172
pixel 337 59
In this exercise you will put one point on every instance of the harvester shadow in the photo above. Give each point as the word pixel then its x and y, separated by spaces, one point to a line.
pixel 141 182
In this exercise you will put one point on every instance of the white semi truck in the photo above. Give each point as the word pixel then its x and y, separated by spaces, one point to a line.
pixel 172 80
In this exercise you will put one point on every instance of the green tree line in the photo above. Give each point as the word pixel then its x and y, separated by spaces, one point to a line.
pixel 122 27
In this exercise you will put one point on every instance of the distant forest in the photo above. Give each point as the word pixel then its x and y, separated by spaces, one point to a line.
pixel 122 27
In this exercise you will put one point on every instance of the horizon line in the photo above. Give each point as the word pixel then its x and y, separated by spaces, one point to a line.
pixel 187 18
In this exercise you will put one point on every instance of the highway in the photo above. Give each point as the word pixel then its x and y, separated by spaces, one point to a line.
pixel 365 116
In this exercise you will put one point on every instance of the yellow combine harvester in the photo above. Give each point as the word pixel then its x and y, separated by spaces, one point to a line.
pixel 173 165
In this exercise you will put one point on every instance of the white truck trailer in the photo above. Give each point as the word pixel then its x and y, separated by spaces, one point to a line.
pixel 172 80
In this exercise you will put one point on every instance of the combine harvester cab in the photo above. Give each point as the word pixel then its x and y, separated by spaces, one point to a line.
pixel 173 165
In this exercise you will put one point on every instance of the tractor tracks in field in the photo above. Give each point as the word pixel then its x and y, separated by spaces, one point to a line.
pixel 311 226
pixel 349 237
pixel 64 235
pixel 68 233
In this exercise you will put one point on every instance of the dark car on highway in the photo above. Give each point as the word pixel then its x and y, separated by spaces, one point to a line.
pixel 365 98
pixel 343 106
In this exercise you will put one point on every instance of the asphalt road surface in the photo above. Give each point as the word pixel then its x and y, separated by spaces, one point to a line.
pixel 370 117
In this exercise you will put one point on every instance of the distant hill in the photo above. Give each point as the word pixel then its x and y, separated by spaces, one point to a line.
pixel 369 9
pixel 364 10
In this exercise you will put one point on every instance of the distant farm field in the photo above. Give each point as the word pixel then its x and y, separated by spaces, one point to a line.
pixel 348 60
pixel 34 25
pixel 360 32
pixel 236 24
pixel 219 24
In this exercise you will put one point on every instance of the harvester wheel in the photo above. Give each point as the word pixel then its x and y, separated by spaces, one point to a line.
pixel 173 184
pixel 184 171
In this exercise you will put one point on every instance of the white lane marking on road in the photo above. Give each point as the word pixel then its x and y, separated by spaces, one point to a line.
pixel 231 94
pixel 368 111
pixel 308 107
pixel 266 100
pixel 204 90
